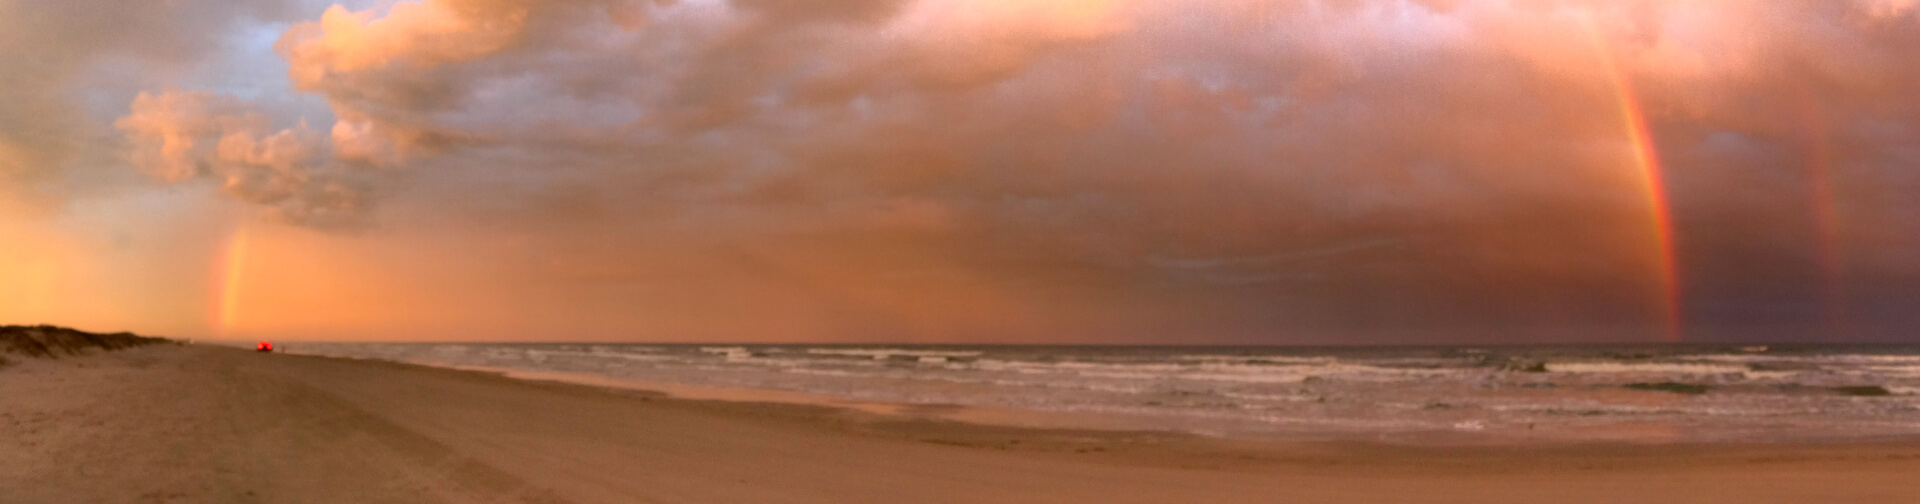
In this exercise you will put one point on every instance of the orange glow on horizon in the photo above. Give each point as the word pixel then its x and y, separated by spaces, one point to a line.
pixel 1653 183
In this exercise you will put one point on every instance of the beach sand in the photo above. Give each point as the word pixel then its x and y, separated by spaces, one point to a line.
pixel 210 424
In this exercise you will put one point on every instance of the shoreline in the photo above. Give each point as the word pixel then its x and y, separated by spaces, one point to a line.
pixel 959 413
pixel 206 424
pixel 1038 422
pixel 1625 432
pixel 876 416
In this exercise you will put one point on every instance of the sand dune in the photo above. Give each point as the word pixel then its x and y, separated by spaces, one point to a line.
pixel 201 424
pixel 52 341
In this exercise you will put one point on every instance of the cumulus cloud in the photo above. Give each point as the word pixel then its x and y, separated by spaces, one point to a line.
pixel 57 54
pixel 389 74
pixel 180 136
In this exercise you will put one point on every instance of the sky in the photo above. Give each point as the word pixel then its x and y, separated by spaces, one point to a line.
pixel 1007 171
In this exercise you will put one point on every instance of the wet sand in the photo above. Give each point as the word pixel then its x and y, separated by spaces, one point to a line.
pixel 209 424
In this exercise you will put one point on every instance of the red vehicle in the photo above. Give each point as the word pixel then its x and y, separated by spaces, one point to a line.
pixel 264 347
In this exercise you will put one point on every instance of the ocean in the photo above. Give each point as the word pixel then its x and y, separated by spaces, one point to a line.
pixel 1661 393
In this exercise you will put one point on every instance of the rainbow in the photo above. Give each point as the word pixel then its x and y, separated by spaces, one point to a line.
pixel 228 271
pixel 1819 167
pixel 1652 182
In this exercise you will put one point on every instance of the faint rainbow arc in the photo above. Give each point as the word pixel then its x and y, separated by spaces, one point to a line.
pixel 230 270
pixel 1819 166
pixel 1652 182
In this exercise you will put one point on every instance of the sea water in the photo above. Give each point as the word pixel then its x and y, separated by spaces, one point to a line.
pixel 1569 393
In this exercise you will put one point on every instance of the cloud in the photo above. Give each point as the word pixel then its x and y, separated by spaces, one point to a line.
pixel 59 53
pixel 181 136
pixel 1056 153
pixel 388 74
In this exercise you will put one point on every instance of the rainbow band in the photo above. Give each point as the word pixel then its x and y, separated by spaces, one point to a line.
pixel 235 261
pixel 1819 168
pixel 1652 183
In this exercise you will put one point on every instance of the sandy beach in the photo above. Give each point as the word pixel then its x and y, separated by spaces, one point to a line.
pixel 211 424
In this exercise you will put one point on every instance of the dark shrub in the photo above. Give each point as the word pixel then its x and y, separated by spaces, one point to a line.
pixel 1865 391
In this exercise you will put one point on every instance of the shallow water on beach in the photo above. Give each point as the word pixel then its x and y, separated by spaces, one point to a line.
pixel 1574 393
